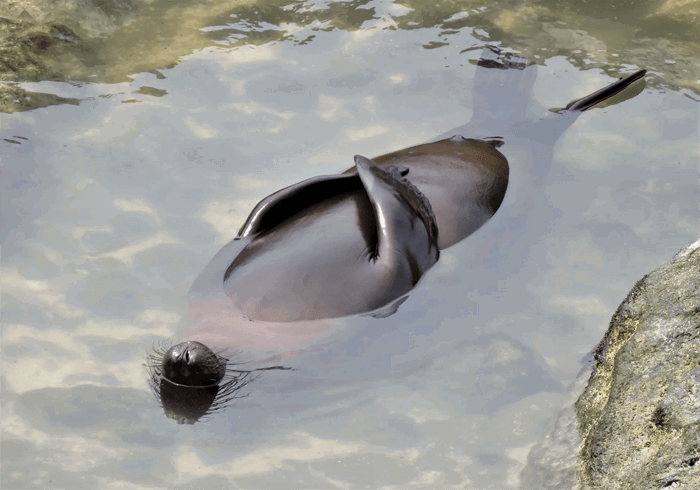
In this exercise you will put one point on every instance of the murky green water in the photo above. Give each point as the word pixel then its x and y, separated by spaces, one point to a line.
pixel 157 126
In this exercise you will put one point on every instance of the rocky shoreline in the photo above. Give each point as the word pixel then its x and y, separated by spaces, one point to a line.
pixel 633 420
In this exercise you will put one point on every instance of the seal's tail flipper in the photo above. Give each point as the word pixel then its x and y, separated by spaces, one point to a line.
pixel 603 94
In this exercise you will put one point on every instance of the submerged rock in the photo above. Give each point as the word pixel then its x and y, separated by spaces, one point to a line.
pixel 552 461
pixel 636 424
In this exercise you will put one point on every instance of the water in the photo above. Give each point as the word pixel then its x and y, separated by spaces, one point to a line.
pixel 112 207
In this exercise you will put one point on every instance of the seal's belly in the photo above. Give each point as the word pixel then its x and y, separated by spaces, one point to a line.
pixel 316 264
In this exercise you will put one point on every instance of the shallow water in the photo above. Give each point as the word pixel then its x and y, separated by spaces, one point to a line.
pixel 112 207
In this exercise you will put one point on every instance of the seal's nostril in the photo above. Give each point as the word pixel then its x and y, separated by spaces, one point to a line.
pixel 187 357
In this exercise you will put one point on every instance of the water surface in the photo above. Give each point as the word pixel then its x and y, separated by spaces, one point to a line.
pixel 113 204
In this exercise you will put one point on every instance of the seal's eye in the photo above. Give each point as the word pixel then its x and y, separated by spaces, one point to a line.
pixel 187 356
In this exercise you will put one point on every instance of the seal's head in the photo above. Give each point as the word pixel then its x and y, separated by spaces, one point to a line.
pixel 193 364
pixel 190 381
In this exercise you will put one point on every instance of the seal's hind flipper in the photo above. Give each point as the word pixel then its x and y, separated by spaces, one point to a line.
pixel 502 86
pixel 603 94
pixel 406 226
pixel 501 92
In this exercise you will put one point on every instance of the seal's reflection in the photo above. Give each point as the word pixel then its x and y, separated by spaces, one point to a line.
pixel 191 381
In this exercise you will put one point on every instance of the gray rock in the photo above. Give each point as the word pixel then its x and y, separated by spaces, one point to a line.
pixel 636 425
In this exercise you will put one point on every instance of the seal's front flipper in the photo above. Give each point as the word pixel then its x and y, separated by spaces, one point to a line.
pixel 281 205
pixel 406 228
pixel 603 94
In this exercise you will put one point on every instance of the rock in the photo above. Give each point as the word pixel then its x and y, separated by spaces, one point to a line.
pixel 63 41
pixel 92 17
pixel 34 53
pixel 637 423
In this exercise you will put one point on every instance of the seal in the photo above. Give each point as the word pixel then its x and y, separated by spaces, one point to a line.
pixel 359 241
